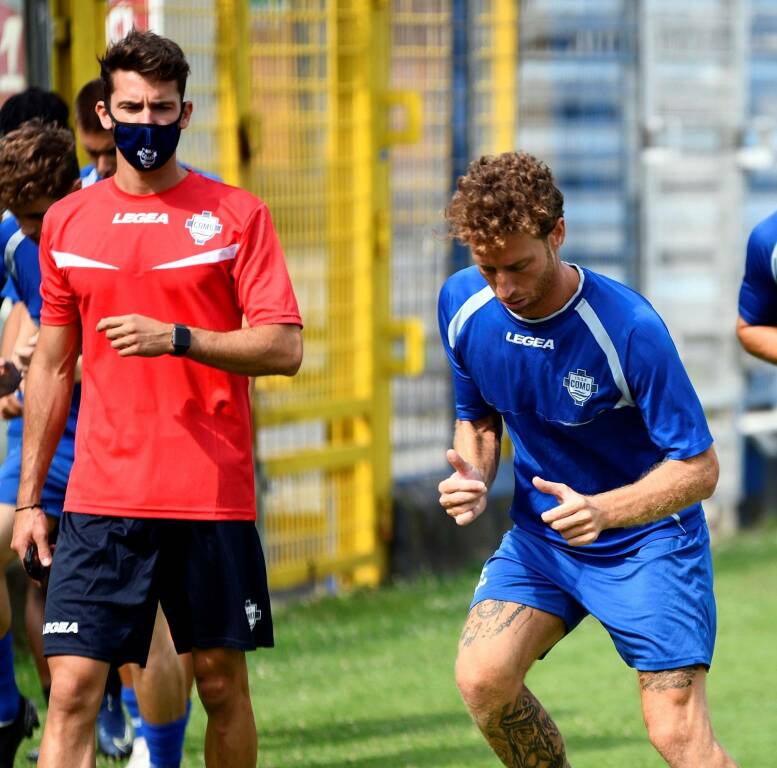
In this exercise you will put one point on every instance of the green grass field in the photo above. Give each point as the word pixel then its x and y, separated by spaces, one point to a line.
pixel 367 680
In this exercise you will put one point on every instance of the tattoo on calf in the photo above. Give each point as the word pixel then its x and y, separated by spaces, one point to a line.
pixel 523 735
pixel 669 679
pixel 486 620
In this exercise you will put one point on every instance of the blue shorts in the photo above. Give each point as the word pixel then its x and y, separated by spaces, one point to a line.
pixel 656 602
pixel 110 573
pixel 53 494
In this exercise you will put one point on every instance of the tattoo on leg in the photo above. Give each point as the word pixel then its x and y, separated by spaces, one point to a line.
pixel 486 621
pixel 668 679
pixel 489 608
pixel 524 736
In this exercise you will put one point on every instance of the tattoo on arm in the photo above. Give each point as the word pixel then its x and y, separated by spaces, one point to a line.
pixel 669 679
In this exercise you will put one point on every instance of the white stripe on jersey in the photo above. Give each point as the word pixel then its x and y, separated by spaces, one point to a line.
pixel 466 310
pixel 603 339
pixel 10 251
pixel 207 257
pixel 62 260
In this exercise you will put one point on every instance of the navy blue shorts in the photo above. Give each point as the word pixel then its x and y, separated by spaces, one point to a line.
pixel 656 602
pixel 110 573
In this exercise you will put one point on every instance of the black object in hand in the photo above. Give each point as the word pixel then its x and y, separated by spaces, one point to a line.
pixel 32 564
pixel 10 378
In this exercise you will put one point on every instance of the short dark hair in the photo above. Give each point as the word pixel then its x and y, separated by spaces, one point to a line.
pixel 156 58
pixel 502 195
pixel 30 103
pixel 36 160
pixel 86 118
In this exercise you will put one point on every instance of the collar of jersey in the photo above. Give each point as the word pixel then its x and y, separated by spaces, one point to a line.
pixel 572 301
pixel 140 198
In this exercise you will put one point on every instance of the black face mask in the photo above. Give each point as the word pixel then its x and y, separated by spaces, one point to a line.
pixel 146 146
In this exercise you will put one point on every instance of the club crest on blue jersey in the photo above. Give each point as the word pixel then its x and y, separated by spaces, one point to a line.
pixel 203 226
pixel 580 386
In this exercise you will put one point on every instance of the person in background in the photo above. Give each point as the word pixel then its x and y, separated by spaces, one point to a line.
pixel 97 142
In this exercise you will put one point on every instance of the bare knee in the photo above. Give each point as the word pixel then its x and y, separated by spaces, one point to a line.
pixel 221 677
pixel 76 691
pixel 483 684
pixel 675 712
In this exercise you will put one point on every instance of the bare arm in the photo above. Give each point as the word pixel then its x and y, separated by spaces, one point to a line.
pixel 759 340
pixel 10 404
pixel 666 489
pixel 48 392
pixel 259 351
pixel 475 459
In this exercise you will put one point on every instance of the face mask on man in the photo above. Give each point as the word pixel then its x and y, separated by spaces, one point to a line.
pixel 146 146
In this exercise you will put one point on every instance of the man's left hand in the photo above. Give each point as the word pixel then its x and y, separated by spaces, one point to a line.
pixel 136 335
pixel 576 518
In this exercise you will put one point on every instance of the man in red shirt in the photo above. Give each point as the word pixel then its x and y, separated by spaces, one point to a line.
pixel 151 273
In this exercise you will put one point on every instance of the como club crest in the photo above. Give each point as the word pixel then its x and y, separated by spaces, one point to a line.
pixel 147 156
pixel 253 613
pixel 203 226
pixel 580 386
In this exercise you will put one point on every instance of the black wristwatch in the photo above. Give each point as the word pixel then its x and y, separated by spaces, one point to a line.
pixel 182 340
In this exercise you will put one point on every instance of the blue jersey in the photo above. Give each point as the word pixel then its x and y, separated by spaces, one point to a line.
pixel 593 395
pixel 758 293
pixel 21 265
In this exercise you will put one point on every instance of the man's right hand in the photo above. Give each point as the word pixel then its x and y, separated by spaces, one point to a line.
pixel 31 527
pixel 463 495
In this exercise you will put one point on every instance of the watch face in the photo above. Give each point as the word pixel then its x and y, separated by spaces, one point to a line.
pixel 182 339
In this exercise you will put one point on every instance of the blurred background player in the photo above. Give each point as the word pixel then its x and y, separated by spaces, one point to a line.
pixel 18 328
pixel 757 322
pixel 96 141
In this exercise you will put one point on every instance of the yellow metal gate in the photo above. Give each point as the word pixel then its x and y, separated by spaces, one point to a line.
pixel 318 75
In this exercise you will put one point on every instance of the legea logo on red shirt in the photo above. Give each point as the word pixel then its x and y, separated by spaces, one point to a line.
pixel 140 218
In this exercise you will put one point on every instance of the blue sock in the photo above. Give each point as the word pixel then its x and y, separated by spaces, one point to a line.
pixel 165 742
pixel 10 698
pixel 130 702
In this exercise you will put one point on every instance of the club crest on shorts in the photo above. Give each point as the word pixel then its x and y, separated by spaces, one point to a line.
pixel 147 157
pixel 253 614
pixel 203 226
pixel 580 386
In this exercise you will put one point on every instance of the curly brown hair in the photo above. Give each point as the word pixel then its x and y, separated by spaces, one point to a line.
pixel 502 195
pixel 36 160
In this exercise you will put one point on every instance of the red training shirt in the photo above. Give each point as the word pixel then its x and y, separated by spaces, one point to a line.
pixel 162 437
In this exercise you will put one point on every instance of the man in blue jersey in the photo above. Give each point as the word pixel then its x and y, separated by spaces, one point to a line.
pixel 757 322
pixel 20 264
pixel 612 457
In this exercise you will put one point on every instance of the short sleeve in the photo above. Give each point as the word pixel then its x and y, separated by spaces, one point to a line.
pixel 758 292
pixel 262 282
pixel 662 391
pixel 469 403
pixel 59 303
